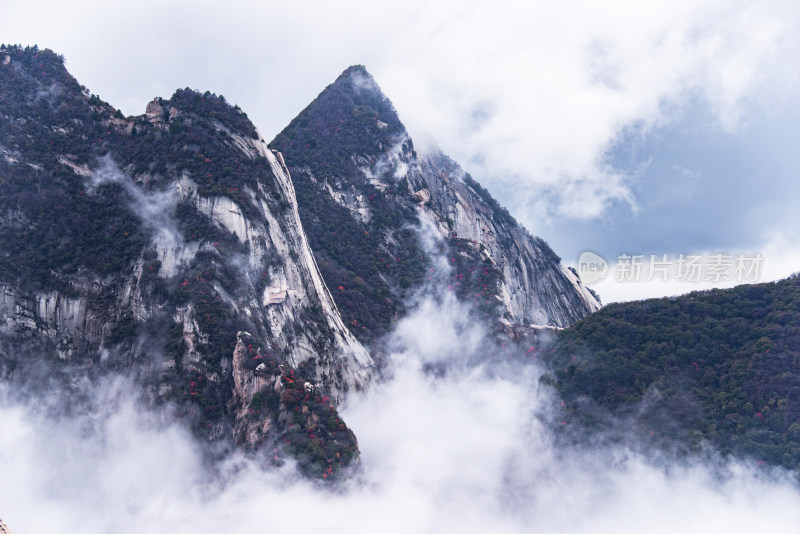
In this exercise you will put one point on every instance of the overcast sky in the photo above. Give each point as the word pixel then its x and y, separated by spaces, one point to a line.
pixel 618 127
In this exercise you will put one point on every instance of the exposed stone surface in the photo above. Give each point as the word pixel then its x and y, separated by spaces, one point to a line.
pixel 536 287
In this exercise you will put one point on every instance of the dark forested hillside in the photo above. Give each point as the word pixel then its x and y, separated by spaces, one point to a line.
pixel 719 366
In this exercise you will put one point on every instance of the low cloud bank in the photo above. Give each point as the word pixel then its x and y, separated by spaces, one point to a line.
pixel 463 449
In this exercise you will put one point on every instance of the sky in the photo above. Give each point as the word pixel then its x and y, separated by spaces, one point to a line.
pixel 621 127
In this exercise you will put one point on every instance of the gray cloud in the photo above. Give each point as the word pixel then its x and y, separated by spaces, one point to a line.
pixel 551 88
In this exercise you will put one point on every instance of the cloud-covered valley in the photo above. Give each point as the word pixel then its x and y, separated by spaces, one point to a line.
pixel 467 447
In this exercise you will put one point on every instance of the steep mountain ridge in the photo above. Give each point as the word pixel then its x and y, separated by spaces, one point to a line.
pixel 361 184
pixel 175 247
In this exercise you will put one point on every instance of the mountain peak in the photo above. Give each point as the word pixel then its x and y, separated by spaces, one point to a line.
pixel 214 107
pixel 359 80
pixel 354 69
pixel 350 116
pixel 39 66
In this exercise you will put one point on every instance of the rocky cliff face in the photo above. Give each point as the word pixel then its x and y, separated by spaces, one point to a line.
pixel 146 243
pixel 360 181
pixel 535 288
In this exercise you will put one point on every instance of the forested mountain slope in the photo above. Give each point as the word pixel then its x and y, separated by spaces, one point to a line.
pixel 720 366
